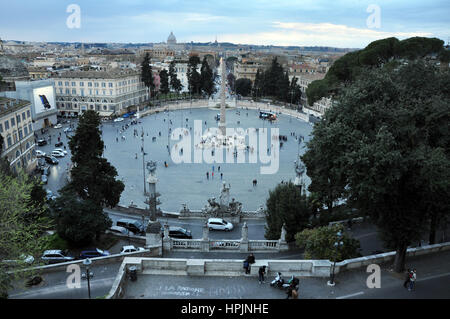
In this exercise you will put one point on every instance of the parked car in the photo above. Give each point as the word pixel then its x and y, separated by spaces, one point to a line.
pixel 130 249
pixel 120 230
pixel 132 225
pixel 45 170
pixel 68 129
pixel 44 179
pixel 42 142
pixel 51 160
pixel 57 154
pixel 59 144
pixel 56 256
pixel 22 259
pixel 58 126
pixel 119 119
pixel 61 150
pixel 40 154
pixel 219 224
pixel 94 252
pixel 179 232
pixel 50 195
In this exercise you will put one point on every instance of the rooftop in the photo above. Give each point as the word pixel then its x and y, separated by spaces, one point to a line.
pixel 110 74
pixel 8 105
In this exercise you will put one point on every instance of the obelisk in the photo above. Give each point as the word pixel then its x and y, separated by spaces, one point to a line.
pixel 222 124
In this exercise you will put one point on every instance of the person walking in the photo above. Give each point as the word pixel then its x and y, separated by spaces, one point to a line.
pixel 246 266
pixel 412 280
pixel 408 276
pixel 221 175
pixel 207 175
pixel 261 273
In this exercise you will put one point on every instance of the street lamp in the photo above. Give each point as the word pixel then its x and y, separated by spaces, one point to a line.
pixel 87 262
pixel 337 245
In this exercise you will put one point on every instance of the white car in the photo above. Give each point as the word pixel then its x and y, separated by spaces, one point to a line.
pixel 61 150
pixel 130 249
pixel 58 126
pixel 119 119
pixel 219 224
pixel 40 154
pixel 57 154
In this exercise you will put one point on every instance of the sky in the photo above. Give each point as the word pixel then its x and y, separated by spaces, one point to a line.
pixel 338 23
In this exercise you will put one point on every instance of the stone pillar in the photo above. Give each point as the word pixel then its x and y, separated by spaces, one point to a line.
pixel 205 238
pixel 282 244
pixel 244 246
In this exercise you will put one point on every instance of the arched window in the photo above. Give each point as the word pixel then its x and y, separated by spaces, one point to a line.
pixel 17 153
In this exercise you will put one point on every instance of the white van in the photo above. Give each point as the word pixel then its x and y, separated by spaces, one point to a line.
pixel 219 224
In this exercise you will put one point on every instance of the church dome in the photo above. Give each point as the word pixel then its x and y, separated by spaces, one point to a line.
pixel 171 39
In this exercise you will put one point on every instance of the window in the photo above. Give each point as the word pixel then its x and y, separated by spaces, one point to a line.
pixel 18 119
pixel 74 84
pixel 96 84
pixel 103 84
pixel 74 91
pixel 25 129
pixel 17 153
pixel 82 92
pixel 110 92
pixel 30 128
pixel 89 84
pixel 90 91
pixel 66 83
pixel 110 85
pixel 23 116
pixel 20 134
pixel 13 122
pixel 60 91
pixel 9 139
pixel 81 83
pixel 6 125
pixel 104 92
pixel 67 91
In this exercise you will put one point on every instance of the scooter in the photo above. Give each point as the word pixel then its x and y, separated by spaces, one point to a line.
pixel 279 282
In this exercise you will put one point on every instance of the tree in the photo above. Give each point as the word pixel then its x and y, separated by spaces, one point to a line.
pixel 175 83
pixel 319 243
pixel 295 93
pixel 93 177
pixel 194 78
pixel 385 147
pixel 207 78
pixel 164 78
pixel 243 86
pixel 19 234
pixel 79 221
pixel 147 74
pixel 286 205
pixel 231 82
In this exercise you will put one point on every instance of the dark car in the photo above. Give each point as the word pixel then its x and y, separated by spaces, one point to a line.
pixel 51 160
pixel 92 253
pixel 42 142
pixel 59 144
pixel 132 225
pixel 178 232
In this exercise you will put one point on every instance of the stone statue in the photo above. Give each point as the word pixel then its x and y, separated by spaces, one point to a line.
pixel 225 194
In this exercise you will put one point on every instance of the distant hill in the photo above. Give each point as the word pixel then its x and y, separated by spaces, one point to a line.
pixel 381 53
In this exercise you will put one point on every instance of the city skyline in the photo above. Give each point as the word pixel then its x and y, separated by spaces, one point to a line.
pixel 343 24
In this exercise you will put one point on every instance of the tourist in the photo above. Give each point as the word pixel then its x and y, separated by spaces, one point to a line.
pixel 246 266
pixel 261 273
pixel 218 168
pixel 207 175
pixel 136 156
pixel 407 278
pixel 412 280
pixel 221 175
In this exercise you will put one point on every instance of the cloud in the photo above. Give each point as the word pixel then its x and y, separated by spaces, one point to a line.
pixel 314 34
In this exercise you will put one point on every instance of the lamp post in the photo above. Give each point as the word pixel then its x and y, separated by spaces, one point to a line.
pixel 337 244
pixel 87 262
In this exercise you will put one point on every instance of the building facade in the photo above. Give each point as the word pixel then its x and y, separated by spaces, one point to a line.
pixel 16 128
pixel 108 92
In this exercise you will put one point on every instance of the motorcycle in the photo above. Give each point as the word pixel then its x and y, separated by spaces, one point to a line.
pixel 279 282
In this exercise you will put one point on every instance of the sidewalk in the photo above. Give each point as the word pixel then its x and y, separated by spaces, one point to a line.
pixel 433 276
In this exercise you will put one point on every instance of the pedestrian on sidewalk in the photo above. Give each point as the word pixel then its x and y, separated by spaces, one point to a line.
pixel 408 276
pixel 246 266
pixel 412 280
pixel 261 273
